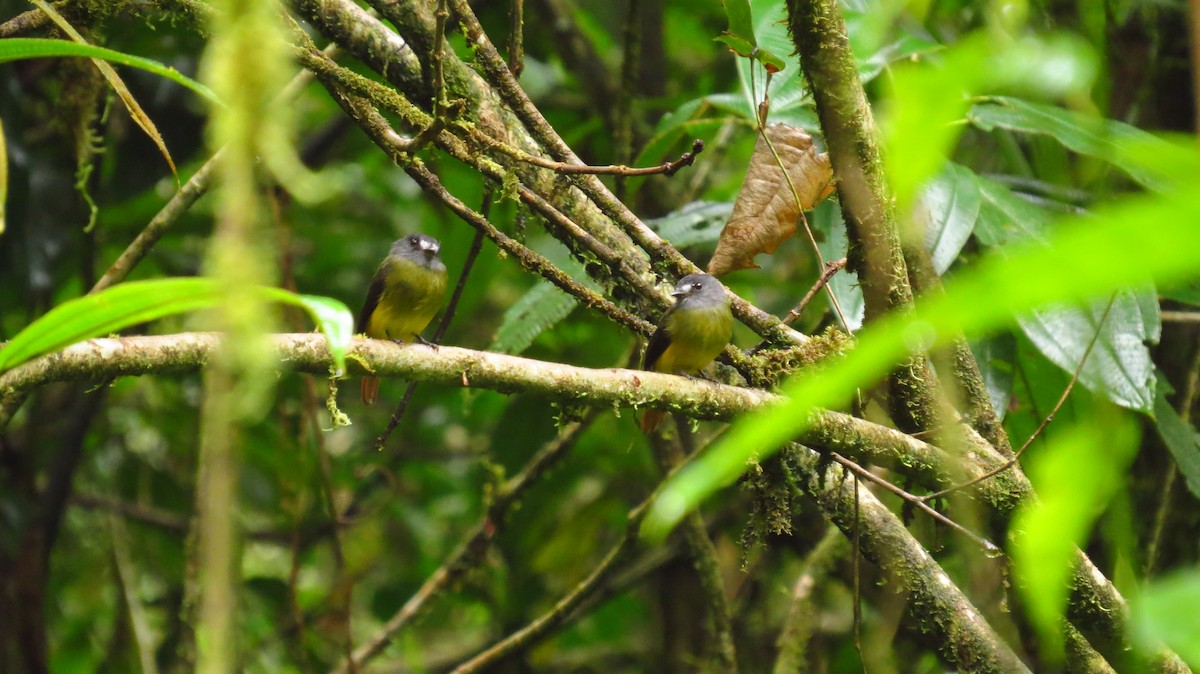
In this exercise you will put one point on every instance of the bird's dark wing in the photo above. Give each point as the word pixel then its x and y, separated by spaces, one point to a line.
pixel 658 344
pixel 373 294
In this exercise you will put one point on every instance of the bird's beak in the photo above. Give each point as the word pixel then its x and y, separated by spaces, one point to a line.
pixel 429 246
pixel 678 293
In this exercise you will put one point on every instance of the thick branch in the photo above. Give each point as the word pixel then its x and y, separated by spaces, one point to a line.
pixel 819 33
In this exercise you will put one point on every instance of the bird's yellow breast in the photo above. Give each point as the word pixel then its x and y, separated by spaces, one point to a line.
pixel 697 336
pixel 412 295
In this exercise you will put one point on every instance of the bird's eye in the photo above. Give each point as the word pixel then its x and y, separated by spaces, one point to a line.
pixel 697 286
pixel 414 241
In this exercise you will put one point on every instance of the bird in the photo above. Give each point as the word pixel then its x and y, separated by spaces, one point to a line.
pixel 691 333
pixel 403 297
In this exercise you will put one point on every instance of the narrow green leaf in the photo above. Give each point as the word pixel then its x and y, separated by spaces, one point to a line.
pixel 140 301
pixel 1181 439
pixel 1005 217
pixel 1074 476
pixel 1164 613
pixel 1090 257
pixel 1093 136
pixel 136 113
pixel 17 48
pixel 740 45
pixel 537 311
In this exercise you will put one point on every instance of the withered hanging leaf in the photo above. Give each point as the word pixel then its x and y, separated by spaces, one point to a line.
pixel 114 80
pixel 766 211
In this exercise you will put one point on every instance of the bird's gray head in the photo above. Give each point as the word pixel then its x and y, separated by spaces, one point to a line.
pixel 419 248
pixel 696 291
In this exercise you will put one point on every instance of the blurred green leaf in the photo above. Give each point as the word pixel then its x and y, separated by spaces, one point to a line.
pixel 697 222
pixel 1119 366
pixel 927 100
pixel 537 311
pixel 16 48
pixel 3 175
pixel 1091 257
pixel 1074 476
pixel 1164 613
pixel 1188 293
pixel 1180 437
pixel 1092 136
pixel 140 301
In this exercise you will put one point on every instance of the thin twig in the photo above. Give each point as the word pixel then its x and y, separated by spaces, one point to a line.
pixel 831 268
pixel 516 39
pixel 1045 422
pixel 666 168
pixel 1180 316
pixel 917 501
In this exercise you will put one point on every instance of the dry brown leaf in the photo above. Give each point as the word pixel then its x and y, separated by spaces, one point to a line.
pixel 114 80
pixel 766 211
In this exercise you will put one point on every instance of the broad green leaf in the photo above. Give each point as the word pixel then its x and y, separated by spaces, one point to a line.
pixel 140 301
pixel 1074 476
pixel 537 311
pixel 1119 366
pixel 742 37
pixel 1091 257
pixel 787 88
pixel 697 222
pixel 1164 613
pixel 738 13
pixel 1092 136
pixel 13 49
pixel 950 205
pixel 1005 217
pixel 1180 437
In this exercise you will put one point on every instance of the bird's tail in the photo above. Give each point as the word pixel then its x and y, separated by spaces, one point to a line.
pixel 651 419
pixel 370 390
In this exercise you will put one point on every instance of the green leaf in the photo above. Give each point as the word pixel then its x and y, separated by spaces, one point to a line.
pixel 738 13
pixel 928 100
pixel 950 204
pixel 826 219
pixel 995 356
pixel 697 222
pixel 1163 613
pixel 140 301
pixel 1074 476
pixel 1188 293
pixel 1090 257
pixel 16 48
pixel 1005 217
pixel 1092 136
pixel 1119 366
pixel 537 311
pixel 3 175
pixel 1180 437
